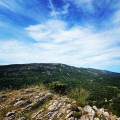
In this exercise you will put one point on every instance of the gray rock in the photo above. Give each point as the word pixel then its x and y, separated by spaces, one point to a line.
pixel 84 117
pixel 22 118
pixel 10 114
pixel 69 114
pixel 38 113
pixel 89 110
pixel 3 96
pixel 106 114
pixel 95 108
pixel 96 118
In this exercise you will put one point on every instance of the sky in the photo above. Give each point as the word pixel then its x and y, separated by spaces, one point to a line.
pixel 81 33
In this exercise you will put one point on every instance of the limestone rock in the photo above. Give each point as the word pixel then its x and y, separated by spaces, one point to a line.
pixel 22 118
pixel 89 110
pixel 69 114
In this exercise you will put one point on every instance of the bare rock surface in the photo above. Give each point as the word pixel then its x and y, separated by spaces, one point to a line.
pixel 36 104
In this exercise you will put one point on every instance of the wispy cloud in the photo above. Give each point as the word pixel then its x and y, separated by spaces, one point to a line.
pixel 61 11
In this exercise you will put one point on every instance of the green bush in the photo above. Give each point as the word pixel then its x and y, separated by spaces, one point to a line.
pixel 80 95
pixel 58 87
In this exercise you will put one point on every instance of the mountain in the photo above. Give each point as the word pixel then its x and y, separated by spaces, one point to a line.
pixel 103 86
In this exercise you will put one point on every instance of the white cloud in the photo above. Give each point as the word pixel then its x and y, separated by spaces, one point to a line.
pixel 85 4
pixel 54 42
pixel 76 46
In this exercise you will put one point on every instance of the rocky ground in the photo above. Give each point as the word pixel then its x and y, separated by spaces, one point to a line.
pixel 38 103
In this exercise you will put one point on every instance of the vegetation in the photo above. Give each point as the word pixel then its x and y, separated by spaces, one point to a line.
pixel 58 87
pixel 103 86
pixel 80 95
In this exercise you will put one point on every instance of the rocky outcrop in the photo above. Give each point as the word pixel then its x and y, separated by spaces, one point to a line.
pixel 43 105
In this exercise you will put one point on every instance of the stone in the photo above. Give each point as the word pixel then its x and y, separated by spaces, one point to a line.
pixel 53 115
pixel 68 105
pixel 80 109
pixel 71 118
pixel 22 118
pixel 96 118
pixel 100 112
pixel 74 102
pixel 69 114
pixel 10 114
pixel 22 103
pixel 38 113
pixel 106 114
pixel 53 107
pixel 3 96
pixel 95 108
pixel 89 110
pixel 84 117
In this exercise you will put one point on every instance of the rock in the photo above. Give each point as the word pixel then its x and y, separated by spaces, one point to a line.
pixel 59 114
pixel 96 118
pixel 59 105
pixel 80 109
pixel 22 103
pixel 63 110
pixel 100 112
pixel 67 111
pixel 18 103
pixel 84 117
pixel 3 96
pixel 89 110
pixel 38 113
pixel 10 114
pixel 22 118
pixel 41 94
pixel 53 115
pixel 68 105
pixel 36 97
pixel 71 118
pixel 69 114
pixel 53 107
pixel 29 91
pixel 74 102
pixel 95 108
pixel 48 114
pixel 106 114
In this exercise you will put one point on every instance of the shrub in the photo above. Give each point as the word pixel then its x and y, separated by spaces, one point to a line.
pixel 58 87
pixel 80 95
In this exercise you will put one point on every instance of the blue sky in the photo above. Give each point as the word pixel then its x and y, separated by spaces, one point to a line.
pixel 81 33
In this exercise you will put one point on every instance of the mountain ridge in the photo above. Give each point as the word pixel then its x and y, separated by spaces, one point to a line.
pixel 37 64
pixel 103 86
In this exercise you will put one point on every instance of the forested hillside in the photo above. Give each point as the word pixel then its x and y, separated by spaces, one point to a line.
pixel 103 87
